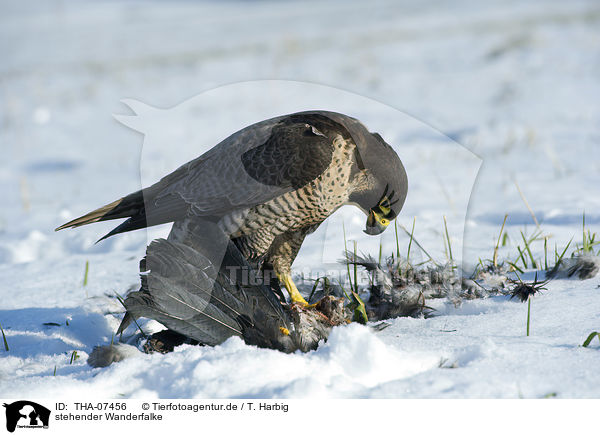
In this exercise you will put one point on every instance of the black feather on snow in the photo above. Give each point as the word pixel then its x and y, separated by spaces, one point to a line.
pixel 523 290
pixel 581 267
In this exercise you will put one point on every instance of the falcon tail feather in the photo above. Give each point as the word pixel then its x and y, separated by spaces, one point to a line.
pixel 142 208
pixel 128 206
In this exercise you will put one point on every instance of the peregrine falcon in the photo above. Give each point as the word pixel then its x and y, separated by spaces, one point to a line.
pixel 271 184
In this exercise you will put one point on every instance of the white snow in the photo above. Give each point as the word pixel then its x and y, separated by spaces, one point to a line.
pixel 518 84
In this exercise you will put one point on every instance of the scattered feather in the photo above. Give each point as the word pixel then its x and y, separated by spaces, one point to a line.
pixel 523 290
pixel 581 267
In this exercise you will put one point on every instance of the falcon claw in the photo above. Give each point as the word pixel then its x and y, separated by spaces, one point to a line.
pixel 295 296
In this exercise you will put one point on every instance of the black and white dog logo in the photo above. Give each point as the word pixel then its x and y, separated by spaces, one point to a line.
pixel 26 414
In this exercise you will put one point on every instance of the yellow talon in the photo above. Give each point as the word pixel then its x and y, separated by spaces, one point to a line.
pixel 284 331
pixel 295 295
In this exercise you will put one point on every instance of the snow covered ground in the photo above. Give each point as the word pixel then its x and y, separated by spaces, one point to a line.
pixel 517 84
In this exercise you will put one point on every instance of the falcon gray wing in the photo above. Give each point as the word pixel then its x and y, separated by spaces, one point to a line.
pixel 250 167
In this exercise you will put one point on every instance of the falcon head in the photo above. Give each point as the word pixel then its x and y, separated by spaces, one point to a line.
pixel 383 194
pixel 383 213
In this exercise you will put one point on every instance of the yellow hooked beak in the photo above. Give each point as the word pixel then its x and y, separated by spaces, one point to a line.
pixel 376 223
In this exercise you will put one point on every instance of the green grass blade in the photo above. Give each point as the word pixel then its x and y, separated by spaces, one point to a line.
pixel 522 257
pixel 537 224
pixel 546 253
pixel 412 232
pixel 535 236
pixel 419 245
pixel 560 257
pixel 495 258
pixel 4 339
pixel 528 313
pixel 346 251
pixel 85 275
pixel 360 312
pixel 313 289
pixel 344 290
pixel 588 340
pixel 397 243
pixel 355 270
pixel 585 246
pixel 422 263
pixel 326 285
pixel 448 241
pixel 74 357
pixel 515 267
pixel 533 263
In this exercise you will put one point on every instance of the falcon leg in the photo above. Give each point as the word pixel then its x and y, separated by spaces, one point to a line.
pixel 281 254
pixel 295 295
